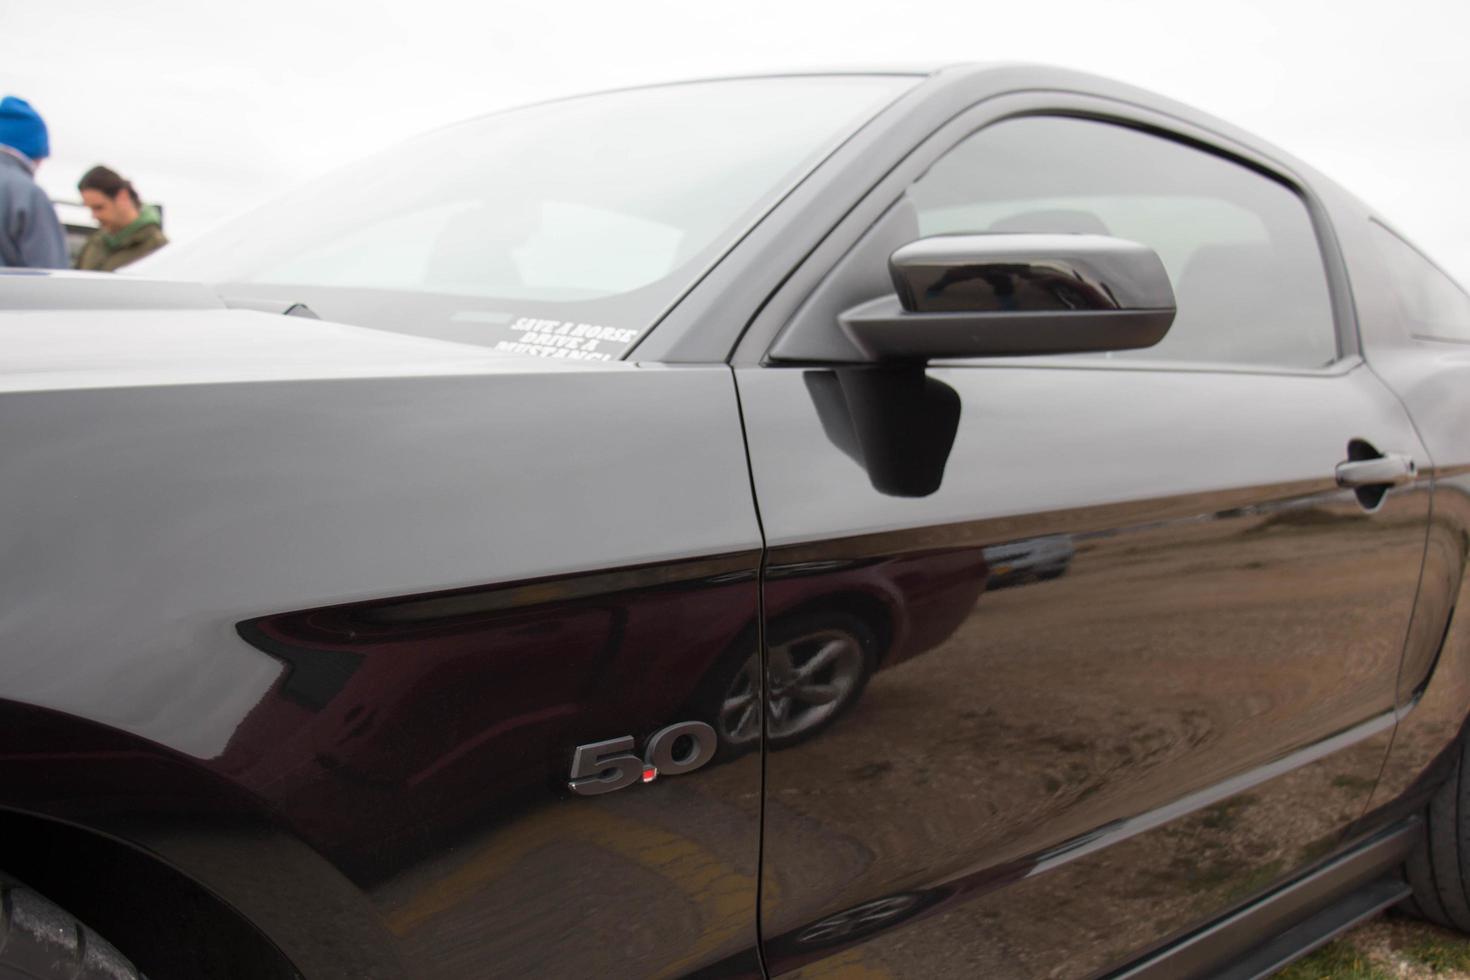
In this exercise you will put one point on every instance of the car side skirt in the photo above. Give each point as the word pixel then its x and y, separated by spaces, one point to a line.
pixel 1293 920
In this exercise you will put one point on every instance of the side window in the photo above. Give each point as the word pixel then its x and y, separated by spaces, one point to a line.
pixel 1239 247
pixel 1433 306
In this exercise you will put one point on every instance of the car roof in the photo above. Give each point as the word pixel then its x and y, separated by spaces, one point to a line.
pixel 979 79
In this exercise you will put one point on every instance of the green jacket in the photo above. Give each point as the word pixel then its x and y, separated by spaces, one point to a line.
pixel 108 252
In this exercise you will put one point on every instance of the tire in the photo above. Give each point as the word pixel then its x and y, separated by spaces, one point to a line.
pixel 42 941
pixel 795 642
pixel 1438 869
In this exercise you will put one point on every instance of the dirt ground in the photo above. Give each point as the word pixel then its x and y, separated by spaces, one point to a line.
pixel 1390 947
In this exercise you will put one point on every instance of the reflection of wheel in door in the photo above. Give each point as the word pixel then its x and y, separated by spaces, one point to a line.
pixel 43 942
pixel 863 920
pixel 819 664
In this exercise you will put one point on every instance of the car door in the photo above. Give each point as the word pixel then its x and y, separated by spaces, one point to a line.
pixel 1067 656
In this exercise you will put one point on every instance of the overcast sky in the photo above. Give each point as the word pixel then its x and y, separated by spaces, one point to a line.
pixel 212 108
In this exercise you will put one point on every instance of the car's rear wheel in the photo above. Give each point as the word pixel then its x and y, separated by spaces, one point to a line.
pixel 39 940
pixel 1439 867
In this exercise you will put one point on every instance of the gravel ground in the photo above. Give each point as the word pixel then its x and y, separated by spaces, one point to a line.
pixel 1390 947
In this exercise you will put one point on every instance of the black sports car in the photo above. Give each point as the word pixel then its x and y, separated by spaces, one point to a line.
pixel 570 545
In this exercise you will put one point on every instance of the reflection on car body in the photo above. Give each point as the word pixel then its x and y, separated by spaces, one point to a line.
pixel 338 541
pixel 504 675
pixel 1034 559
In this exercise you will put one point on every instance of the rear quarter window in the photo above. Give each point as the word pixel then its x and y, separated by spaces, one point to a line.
pixel 1433 305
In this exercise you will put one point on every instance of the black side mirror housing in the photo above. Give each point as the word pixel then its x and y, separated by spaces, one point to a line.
pixel 1000 295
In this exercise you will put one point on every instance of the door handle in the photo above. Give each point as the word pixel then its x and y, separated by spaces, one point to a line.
pixel 1392 470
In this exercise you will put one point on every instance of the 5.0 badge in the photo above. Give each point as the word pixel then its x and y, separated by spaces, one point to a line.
pixel 601 767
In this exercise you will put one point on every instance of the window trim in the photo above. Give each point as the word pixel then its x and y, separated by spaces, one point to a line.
pixel 783 307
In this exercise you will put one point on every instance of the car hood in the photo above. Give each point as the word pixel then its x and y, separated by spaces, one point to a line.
pixel 91 330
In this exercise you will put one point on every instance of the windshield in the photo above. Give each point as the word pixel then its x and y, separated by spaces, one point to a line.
pixel 564 229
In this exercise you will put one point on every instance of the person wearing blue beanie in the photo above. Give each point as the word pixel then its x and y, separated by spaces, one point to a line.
pixel 23 129
pixel 30 234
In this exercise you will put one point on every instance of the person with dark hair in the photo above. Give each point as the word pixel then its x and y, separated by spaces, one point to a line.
pixel 127 229
pixel 30 234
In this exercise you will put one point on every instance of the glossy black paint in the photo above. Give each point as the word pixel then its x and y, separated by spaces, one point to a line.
pixel 1021 272
pixel 319 627
pixel 1013 295
pixel 896 422
pixel 437 712
pixel 1189 642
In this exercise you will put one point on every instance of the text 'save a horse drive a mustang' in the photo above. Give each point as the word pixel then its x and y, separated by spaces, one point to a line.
pixel 992 522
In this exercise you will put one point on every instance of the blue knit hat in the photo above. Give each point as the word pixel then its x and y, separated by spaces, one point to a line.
pixel 22 128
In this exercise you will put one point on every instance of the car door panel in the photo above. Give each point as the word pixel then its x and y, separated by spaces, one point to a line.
pixel 1427 365
pixel 1102 731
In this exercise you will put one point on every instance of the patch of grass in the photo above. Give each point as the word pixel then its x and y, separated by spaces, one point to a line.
pixel 1318 849
pixel 1215 874
pixel 1441 954
pixel 1355 783
pixel 1222 815
pixel 1225 878
pixel 1303 517
pixel 1257 881
pixel 1335 961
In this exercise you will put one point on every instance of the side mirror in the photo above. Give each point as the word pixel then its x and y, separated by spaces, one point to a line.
pixel 1011 295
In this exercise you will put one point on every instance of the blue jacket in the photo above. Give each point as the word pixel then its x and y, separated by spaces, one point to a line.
pixel 30 235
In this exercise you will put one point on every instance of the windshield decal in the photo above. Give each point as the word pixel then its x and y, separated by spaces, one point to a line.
pixel 567 339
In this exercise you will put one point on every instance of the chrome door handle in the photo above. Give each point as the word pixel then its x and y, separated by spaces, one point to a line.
pixel 1392 470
